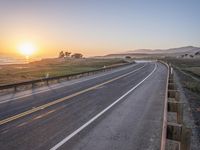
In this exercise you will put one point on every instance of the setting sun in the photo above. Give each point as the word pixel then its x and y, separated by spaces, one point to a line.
pixel 27 49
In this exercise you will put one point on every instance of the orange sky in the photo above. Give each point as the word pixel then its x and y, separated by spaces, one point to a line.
pixel 48 44
pixel 97 27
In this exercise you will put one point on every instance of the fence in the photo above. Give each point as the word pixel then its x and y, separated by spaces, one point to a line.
pixel 33 83
pixel 176 130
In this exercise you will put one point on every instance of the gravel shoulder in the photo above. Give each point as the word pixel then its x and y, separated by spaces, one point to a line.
pixel 191 109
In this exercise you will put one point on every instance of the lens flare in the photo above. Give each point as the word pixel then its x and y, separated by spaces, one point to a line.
pixel 27 49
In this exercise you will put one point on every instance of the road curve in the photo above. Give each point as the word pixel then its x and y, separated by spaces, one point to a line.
pixel 119 110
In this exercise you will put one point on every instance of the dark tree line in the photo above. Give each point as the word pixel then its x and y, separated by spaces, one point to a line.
pixel 191 56
pixel 68 54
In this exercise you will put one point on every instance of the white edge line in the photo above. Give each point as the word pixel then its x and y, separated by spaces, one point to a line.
pixel 61 86
pixel 99 114
pixel 124 75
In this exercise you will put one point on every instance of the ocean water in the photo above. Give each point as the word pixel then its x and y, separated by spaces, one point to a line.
pixel 4 60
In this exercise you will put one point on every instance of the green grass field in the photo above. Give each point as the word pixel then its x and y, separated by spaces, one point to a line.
pixel 54 67
pixel 191 67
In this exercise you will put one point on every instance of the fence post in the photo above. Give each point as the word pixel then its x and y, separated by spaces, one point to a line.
pixel 180 113
pixel 33 85
pixel 186 138
pixel 47 82
pixel 15 88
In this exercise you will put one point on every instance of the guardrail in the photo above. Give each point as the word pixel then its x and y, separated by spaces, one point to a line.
pixel 58 78
pixel 164 127
pixel 174 131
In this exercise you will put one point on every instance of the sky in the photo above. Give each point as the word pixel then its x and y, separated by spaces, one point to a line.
pixel 97 27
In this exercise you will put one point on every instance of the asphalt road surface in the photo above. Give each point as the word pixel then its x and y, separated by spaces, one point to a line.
pixel 117 110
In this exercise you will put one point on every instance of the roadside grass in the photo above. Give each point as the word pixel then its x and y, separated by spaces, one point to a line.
pixel 192 86
pixel 195 71
pixel 190 66
pixel 184 63
pixel 53 67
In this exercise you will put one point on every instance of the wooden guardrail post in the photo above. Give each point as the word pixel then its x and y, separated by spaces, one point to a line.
pixel 174 131
pixel 58 80
pixel 47 82
pixel 177 107
pixel 186 138
pixel 15 88
pixel 180 113
pixel 172 86
pixel 180 133
pixel 174 94
pixel 33 85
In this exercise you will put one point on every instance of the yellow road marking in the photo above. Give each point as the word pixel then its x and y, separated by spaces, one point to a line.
pixel 22 124
pixel 43 115
pixel 4 132
pixel 9 119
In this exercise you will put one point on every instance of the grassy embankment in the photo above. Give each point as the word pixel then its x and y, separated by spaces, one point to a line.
pixel 192 68
pixel 54 67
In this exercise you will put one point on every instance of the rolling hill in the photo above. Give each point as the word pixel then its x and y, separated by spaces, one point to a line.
pixel 172 52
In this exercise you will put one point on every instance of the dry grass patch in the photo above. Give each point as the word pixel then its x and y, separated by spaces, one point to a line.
pixel 54 67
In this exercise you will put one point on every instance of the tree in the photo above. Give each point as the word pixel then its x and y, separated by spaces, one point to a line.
pixel 67 54
pixel 77 55
pixel 182 56
pixel 197 53
pixel 128 57
pixel 61 55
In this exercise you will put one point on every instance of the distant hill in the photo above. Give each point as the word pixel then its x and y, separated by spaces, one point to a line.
pixel 185 49
pixel 173 52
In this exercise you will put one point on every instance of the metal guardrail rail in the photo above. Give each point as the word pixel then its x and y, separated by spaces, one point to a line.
pixel 47 80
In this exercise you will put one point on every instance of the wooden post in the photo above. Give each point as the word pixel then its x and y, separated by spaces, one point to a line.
pixel 179 113
pixel 177 107
pixel 174 94
pixel 171 71
pixel 47 82
pixel 174 131
pixel 33 85
pixel 186 138
pixel 15 88
pixel 172 86
pixel 171 80
pixel 179 133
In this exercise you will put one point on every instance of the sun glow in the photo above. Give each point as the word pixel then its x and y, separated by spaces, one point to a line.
pixel 27 49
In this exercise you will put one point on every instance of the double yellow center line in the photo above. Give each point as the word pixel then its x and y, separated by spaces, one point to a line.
pixel 20 115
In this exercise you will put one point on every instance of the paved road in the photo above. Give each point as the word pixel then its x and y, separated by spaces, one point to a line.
pixel 121 109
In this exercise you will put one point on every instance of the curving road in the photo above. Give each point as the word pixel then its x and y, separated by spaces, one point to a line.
pixel 115 110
